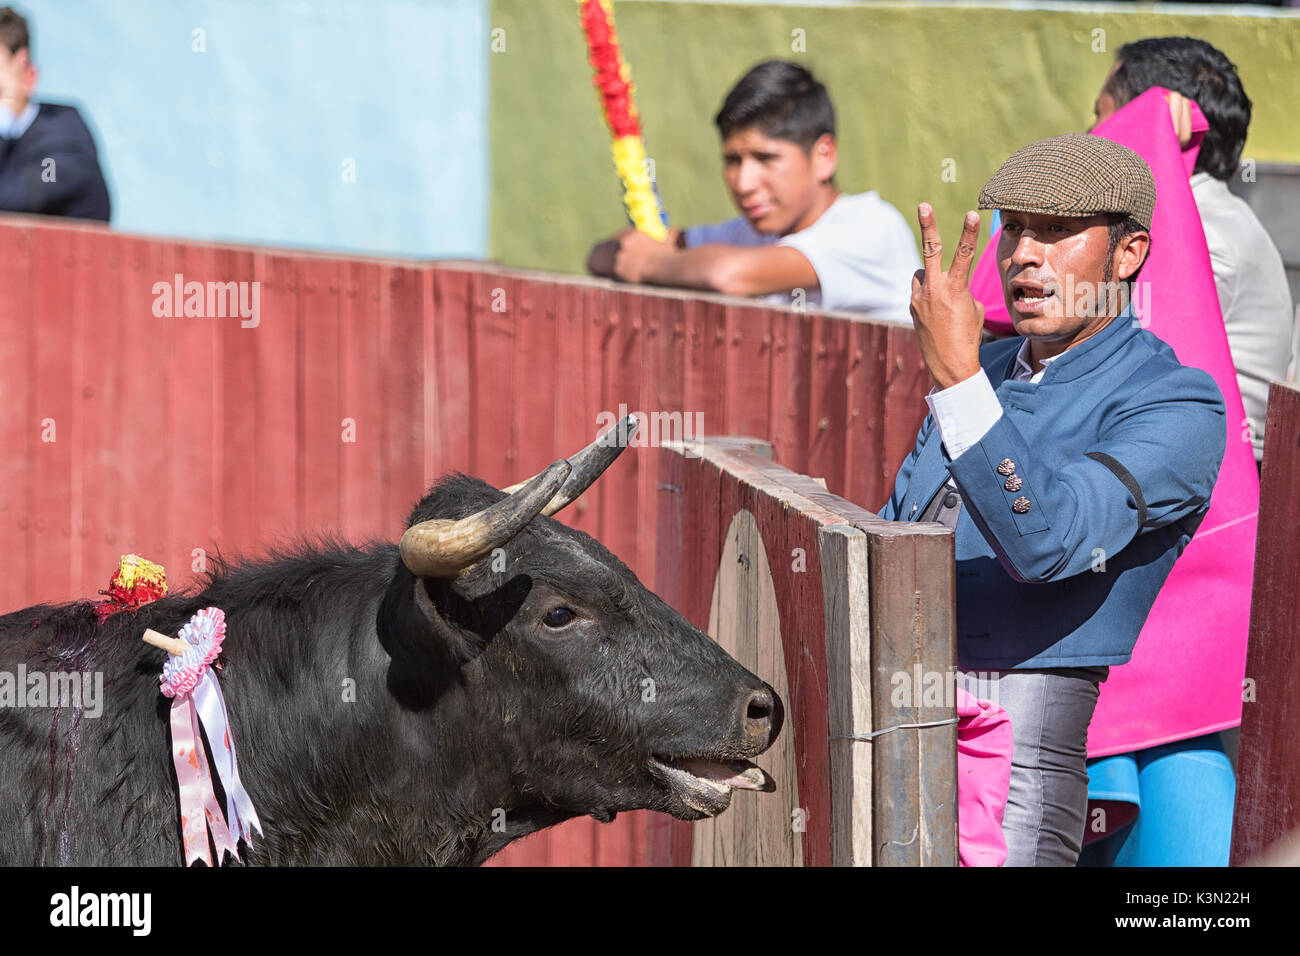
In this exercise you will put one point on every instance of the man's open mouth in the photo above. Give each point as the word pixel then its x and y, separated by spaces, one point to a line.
pixel 705 783
pixel 1030 298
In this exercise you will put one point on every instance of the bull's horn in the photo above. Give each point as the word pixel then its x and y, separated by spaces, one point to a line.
pixel 443 547
pixel 590 463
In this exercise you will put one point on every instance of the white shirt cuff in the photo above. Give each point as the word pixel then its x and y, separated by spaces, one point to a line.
pixel 964 413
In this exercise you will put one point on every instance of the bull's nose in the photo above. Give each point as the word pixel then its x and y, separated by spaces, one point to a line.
pixel 763 715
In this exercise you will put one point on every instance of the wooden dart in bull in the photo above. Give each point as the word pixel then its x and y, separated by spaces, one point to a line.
pixel 172 645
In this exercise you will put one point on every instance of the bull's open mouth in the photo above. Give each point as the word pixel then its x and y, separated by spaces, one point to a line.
pixel 705 784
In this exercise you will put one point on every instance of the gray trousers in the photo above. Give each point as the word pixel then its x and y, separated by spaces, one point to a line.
pixel 1048 802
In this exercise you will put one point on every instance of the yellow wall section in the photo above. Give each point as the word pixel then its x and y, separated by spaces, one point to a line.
pixel 912 86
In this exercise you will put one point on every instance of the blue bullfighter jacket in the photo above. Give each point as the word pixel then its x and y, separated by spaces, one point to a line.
pixel 1117 449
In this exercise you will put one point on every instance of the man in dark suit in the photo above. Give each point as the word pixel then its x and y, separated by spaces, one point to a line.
pixel 48 161
pixel 1073 462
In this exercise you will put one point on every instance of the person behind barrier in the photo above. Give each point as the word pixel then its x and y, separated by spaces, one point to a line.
pixel 798 240
pixel 1248 272
pixel 48 161
pixel 1081 438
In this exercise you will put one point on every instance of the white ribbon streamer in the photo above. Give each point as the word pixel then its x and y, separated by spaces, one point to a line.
pixel 211 705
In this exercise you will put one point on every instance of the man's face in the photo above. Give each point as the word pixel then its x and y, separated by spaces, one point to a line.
pixel 1059 279
pixel 773 182
pixel 17 76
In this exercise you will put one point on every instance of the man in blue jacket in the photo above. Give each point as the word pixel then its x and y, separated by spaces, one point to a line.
pixel 1074 462
pixel 48 161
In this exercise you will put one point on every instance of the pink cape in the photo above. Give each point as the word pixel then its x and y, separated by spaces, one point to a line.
pixel 1185 677
pixel 984 745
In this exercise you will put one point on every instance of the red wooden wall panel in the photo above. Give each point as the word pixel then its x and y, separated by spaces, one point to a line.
pixel 1268 780
pixel 186 433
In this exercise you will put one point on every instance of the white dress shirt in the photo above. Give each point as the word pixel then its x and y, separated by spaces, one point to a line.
pixel 965 412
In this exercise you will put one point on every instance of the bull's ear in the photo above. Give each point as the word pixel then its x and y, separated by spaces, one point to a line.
pixel 426 651
pixel 431 631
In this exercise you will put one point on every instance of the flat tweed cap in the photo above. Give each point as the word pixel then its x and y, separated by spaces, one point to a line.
pixel 1075 175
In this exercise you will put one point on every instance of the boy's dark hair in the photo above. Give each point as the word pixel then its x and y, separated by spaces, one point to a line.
pixel 13 30
pixel 782 100
pixel 1201 73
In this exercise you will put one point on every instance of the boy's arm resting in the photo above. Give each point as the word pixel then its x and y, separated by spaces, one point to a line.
pixel 733 270
pixel 1155 463
pixel 603 255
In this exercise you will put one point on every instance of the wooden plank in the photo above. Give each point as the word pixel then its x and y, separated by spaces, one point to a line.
pixel 53 414
pixel 787 389
pixel 618 502
pixel 334 427
pixel 911 588
pixel 271 472
pixel 679 563
pixel 538 389
pixel 175 452
pixel 828 423
pixel 752 593
pixel 492 344
pixel 864 436
pixel 387 375
pixel 20 432
pixel 449 408
pixel 703 355
pixel 845 592
pixel 663 414
pixel 1268 775
pixel 908 381
pixel 782 839
pixel 574 424
pixel 795 441
pixel 747 371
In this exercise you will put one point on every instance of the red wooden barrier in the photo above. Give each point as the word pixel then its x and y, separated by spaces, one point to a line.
pixel 828 604
pixel 1268 786
pixel 361 382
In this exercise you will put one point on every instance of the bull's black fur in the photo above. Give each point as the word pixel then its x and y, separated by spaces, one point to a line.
pixel 472 724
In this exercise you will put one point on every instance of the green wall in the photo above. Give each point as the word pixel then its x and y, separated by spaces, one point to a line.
pixel 913 86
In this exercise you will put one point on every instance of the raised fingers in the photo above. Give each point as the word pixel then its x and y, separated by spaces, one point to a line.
pixel 931 246
pixel 962 259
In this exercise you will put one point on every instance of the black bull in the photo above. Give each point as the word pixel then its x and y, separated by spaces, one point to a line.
pixel 385 715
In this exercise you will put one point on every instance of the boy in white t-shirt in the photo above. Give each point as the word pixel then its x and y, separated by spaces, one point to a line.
pixel 799 240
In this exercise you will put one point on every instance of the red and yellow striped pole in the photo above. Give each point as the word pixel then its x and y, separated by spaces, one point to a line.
pixel 613 82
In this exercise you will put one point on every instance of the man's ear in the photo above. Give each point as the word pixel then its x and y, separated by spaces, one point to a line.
pixel 824 158
pixel 1131 253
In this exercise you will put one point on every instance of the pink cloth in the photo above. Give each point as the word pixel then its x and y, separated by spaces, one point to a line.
pixel 1185 677
pixel 984 748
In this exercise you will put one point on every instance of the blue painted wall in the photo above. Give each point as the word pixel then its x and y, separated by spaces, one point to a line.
pixel 243 131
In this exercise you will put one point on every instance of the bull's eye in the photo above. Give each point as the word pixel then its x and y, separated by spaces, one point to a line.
pixel 558 617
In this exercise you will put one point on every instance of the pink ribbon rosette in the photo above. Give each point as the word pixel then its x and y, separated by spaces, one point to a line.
pixel 197 702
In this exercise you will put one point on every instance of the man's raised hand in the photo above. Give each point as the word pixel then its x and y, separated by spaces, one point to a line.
pixel 948 320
